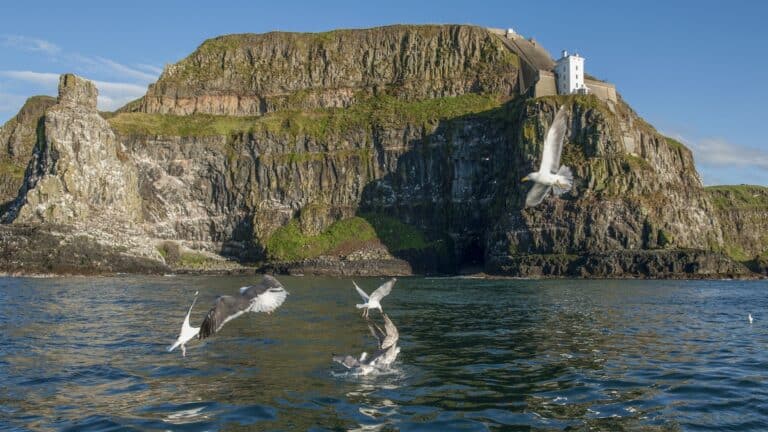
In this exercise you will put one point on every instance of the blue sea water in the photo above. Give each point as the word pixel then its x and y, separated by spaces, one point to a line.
pixel 90 354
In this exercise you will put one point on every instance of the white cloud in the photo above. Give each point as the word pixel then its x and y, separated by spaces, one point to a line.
pixel 154 69
pixel 104 65
pixel 112 95
pixel 88 64
pixel 40 78
pixel 720 152
pixel 25 43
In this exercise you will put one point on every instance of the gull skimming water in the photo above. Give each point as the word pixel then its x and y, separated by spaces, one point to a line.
pixel 382 358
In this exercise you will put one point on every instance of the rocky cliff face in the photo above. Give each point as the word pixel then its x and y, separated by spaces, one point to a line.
pixel 254 74
pixel 743 215
pixel 17 140
pixel 399 148
pixel 79 173
pixel 635 189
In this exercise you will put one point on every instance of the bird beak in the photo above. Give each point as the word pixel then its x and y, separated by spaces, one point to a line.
pixel 525 179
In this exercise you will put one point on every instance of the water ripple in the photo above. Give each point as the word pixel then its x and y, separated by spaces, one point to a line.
pixel 89 354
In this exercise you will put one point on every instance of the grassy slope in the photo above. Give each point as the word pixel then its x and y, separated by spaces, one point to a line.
pixel 290 244
pixel 738 196
pixel 383 110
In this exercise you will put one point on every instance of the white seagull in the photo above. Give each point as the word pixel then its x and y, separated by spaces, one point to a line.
pixel 387 337
pixel 384 356
pixel 266 296
pixel 749 317
pixel 551 176
pixel 374 300
pixel 187 331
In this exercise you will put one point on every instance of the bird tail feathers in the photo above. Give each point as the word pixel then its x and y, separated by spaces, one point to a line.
pixel 174 346
pixel 361 306
pixel 564 181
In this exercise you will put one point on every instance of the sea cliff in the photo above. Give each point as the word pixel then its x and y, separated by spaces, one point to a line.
pixel 394 150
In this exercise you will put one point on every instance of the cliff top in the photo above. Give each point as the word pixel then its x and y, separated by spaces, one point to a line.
pixel 739 196
pixel 251 74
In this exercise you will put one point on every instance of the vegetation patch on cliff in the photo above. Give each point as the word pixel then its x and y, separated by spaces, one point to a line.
pixel 738 196
pixel 11 169
pixel 289 243
pixel 319 123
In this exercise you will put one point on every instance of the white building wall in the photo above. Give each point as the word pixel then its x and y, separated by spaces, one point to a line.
pixel 569 71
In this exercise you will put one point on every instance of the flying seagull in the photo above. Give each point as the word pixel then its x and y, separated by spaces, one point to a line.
pixel 374 300
pixel 551 176
pixel 386 337
pixel 266 296
pixel 187 331
pixel 749 317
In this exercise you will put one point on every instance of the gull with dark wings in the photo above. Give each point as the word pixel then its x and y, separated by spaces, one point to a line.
pixel 265 296
pixel 551 176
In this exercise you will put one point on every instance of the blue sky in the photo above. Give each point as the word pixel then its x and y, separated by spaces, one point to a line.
pixel 696 70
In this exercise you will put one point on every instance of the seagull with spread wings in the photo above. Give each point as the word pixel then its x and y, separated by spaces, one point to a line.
pixel 387 337
pixel 265 296
pixel 551 176
pixel 374 300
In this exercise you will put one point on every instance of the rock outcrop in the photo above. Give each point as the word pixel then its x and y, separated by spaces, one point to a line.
pixel 390 150
pixel 79 173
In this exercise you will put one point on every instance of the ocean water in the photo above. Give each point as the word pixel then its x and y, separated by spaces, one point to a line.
pixel 90 354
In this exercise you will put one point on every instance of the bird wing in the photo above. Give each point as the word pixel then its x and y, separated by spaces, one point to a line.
pixel 185 327
pixel 266 296
pixel 383 290
pixel 224 310
pixel 537 194
pixel 376 332
pixel 392 334
pixel 361 292
pixel 553 143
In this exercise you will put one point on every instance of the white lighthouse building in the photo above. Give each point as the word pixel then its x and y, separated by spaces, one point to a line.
pixel 569 71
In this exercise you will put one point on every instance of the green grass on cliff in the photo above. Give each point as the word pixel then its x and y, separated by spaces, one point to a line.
pixel 11 169
pixel 173 125
pixel 738 196
pixel 318 123
pixel 288 243
pixel 675 144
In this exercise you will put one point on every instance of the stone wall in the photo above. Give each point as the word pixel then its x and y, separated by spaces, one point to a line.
pixel 603 90
pixel 546 84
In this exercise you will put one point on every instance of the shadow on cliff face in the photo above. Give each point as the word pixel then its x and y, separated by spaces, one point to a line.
pixel 449 185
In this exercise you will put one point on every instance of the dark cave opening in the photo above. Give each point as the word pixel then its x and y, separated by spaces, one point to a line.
pixel 473 254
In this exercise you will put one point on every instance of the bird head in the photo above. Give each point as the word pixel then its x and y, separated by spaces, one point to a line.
pixel 530 177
